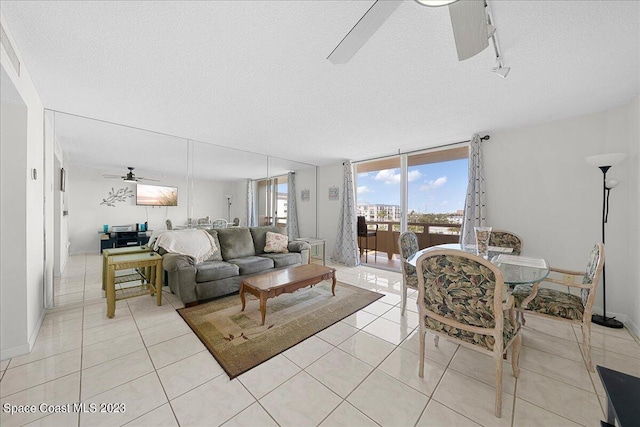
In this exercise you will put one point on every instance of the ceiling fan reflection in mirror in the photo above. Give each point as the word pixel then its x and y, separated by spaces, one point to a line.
pixel 472 27
pixel 130 176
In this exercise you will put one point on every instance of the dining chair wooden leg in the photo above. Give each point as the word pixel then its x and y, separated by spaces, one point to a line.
pixel 515 355
pixel 586 345
pixel 497 358
pixel 422 338
pixel 404 299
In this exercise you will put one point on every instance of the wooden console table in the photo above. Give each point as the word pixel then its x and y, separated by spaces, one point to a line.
pixel 122 251
pixel 135 260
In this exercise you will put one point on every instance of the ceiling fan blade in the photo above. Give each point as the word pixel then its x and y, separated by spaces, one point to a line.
pixel 469 22
pixel 363 30
pixel 139 178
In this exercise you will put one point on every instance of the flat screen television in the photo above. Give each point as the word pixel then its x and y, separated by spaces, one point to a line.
pixel 156 195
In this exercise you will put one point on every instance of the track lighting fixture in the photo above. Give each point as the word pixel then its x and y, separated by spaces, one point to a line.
pixel 500 69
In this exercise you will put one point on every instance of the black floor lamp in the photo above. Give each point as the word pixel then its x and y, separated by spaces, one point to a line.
pixel 604 162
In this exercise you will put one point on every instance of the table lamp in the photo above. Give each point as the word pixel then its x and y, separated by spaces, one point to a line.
pixel 604 162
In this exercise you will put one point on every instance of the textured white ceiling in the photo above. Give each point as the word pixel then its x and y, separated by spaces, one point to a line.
pixel 254 75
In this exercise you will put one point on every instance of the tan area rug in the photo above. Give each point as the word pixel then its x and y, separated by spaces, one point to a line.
pixel 238 341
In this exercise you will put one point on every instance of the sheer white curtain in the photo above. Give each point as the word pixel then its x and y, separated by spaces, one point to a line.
pixel 292 209
pixel 475 209
pixel 346 249
pixel 251 207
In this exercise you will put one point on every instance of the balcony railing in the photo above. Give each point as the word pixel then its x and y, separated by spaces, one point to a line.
pixel 429 234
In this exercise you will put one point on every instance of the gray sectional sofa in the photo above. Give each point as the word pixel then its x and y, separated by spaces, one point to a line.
pixel 241 254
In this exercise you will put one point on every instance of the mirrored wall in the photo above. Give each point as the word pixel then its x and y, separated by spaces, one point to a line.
pixel 210 181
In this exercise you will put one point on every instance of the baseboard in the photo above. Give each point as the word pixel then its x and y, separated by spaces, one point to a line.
pixel 633 328
pixel 20 350
pixel 34 333
pixel 619 316
pixel 12 352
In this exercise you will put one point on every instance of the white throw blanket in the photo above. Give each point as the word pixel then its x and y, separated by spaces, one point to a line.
pixel 197 244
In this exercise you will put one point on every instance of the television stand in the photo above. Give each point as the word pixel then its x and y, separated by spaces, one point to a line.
pixel 122 239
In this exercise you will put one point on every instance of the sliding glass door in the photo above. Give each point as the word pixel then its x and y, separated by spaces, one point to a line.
pixel 272 201
pixel 378 201
pixel 423 192
pixel 437 186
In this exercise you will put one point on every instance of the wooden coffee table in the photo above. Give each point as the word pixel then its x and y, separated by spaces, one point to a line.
pixel 272 284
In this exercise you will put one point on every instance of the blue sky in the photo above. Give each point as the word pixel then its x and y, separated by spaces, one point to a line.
pixel 433 188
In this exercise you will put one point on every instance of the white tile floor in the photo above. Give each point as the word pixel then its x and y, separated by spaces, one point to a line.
pixel 360 372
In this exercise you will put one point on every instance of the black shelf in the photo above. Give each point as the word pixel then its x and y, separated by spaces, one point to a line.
pixel 121 239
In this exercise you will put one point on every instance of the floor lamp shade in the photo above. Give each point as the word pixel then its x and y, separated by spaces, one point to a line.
pixel 604 162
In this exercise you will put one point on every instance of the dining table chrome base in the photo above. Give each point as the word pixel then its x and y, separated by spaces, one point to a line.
pixel 608 322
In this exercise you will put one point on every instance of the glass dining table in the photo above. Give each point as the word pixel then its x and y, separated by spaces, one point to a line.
pixel 516 270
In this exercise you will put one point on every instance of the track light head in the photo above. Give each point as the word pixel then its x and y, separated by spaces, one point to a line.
pixel 500 69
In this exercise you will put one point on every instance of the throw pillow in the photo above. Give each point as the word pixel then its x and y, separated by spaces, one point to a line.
pixel 277 243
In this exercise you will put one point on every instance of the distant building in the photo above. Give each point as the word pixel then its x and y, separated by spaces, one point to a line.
pixel 456 218
pixel 379 212
pixel 281 205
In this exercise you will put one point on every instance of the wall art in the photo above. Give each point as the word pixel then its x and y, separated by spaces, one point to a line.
pixel 117 196
pixel 334 193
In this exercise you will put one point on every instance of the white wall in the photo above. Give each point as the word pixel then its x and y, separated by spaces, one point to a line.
pixel 539 186
pixel 86 188
pixel 13 250
pixel 329 210
pixel 633 286
pixel 20 330
pixel 306 180
pixel 239 201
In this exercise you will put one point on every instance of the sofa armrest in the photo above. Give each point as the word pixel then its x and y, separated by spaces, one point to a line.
pixel 298 246
pixel 303 248
pixel 175 262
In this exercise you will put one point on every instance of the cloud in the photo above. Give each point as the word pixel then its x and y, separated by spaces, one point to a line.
pixel 363 175
pixel 390 176
pixel 414 175
pixel 364 189
pixel 438 182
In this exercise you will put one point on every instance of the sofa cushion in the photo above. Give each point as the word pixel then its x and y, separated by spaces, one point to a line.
pixel 284 260
pixel 215 270
pixel 235 243
pixel 217 255
pixel 276 243
pixel 252 264
pixel 259 235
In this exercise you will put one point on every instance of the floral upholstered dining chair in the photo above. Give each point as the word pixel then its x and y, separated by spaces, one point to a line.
pixel 460 297
pixel 506 239
pixel 553 303
pixel 219 223
pixel 408 244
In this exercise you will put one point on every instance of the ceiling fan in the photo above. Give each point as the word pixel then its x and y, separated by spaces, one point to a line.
pixel 130 176
pixel 471 27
